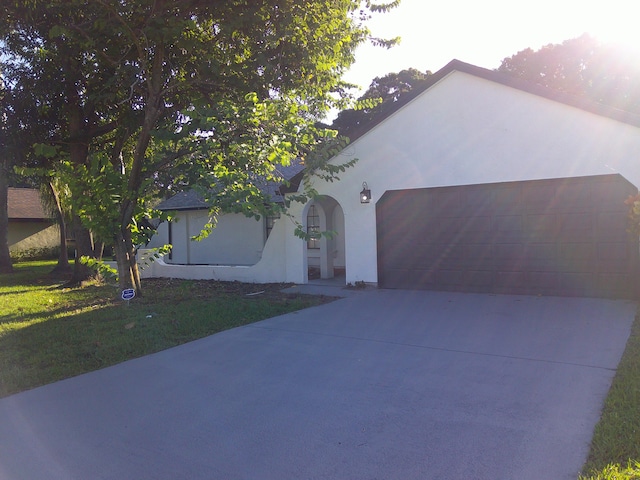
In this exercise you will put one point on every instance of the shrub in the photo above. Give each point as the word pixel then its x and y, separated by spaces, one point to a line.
pixel 39 253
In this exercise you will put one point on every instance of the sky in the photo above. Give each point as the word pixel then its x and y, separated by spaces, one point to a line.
pixel 484 32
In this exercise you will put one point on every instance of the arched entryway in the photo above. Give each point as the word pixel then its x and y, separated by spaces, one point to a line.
pixel 325 255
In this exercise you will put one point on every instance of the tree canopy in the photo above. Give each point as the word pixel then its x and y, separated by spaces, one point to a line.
pixel 379 99
pixel 583 66
pixel 152 94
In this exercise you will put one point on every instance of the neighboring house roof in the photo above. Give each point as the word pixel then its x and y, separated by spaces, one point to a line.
pixel 192 200
pixel 25 204
pixel 493 76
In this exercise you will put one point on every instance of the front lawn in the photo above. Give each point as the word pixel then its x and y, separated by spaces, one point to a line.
pixel 48 333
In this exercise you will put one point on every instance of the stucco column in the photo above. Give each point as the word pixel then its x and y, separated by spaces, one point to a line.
pixel 295 248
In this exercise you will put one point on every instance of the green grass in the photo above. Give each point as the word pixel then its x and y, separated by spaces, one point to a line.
pixel 615 448
pixel 48 333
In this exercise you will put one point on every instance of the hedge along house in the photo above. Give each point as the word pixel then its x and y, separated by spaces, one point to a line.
pixel 478 182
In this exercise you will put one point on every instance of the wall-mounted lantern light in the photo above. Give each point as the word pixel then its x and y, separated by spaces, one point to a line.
pixel 365 194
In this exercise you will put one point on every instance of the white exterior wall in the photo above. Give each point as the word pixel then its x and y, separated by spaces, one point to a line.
pixel 467 130
pixel 464 130
pixel 32 235
pixel 236 240
pixel 336 244
pixel 20 231
pixel 271 268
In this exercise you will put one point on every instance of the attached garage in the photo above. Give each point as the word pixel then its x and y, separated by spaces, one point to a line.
pixel 564 237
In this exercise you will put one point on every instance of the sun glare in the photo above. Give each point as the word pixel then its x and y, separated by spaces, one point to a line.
pixel 484 33
pixel 613 22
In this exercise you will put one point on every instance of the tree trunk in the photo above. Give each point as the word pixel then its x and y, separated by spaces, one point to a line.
pixel 78 154
pixel 128 273
pixel 5 258
pixel 84 247
pixel 98 250
pixel 133 263
pixel 63 257
pixel 125 277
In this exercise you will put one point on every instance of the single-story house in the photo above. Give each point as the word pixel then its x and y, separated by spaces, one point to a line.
pixel 478 182
pixel 236 241
pixel 29 226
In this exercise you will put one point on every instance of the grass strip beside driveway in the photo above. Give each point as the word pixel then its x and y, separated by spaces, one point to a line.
pixel 615 448
pixel 48 333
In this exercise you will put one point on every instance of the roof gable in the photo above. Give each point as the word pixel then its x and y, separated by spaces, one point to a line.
pixel 509 81
pixel 495 77
pixel 25 204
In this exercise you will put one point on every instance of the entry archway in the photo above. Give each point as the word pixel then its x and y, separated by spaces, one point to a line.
pixel 325 255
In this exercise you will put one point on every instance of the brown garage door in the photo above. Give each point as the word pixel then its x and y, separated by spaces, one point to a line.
pixel 564 237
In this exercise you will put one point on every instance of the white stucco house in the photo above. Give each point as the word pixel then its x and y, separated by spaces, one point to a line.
pixel 479 182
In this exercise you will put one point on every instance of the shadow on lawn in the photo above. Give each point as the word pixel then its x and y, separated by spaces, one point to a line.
pixel 56 348
pixel 68 345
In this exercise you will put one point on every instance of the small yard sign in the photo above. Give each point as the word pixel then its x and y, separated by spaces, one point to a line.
pixel 128 293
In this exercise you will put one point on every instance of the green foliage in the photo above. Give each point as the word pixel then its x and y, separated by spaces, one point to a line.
pixel 98 191
pixel 616 438
pixel 152 100
pixel 380 99
pixel 44 150
pixel 106 271
pixel 103 269
pixel 584 67
pixel 382 7
pixel 154 254
pixel 616 472
pixel 633 214
pixel 40 253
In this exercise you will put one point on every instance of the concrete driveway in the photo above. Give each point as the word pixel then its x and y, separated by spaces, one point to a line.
pixel 381 385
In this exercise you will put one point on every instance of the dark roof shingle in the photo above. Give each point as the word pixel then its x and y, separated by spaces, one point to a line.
pixel 25 204
pixel 192 200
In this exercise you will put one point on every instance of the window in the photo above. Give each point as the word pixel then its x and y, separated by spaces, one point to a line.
pixel 313 228
pixel 270 221
pixel 170 239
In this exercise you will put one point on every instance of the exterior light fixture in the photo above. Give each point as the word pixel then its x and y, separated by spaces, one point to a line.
pixel 365 194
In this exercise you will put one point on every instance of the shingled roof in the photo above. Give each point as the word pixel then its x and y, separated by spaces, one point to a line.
pixel 25 204
pixel 192 200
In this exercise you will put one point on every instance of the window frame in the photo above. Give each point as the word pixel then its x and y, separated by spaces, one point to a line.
pixel 313 228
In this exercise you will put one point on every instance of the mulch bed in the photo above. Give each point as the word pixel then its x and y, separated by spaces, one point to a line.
pixel 211 288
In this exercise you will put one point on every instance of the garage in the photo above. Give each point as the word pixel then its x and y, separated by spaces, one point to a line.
pixel 565 237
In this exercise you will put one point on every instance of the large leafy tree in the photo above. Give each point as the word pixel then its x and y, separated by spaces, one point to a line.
pixel 5 259
pixel 47 103
pixel 216 93
pixel 16 133
pixel 380 98
pixel 583 66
